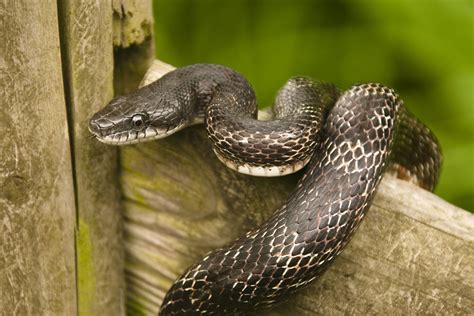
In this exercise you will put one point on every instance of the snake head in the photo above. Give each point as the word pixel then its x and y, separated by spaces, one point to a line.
pixel 133 119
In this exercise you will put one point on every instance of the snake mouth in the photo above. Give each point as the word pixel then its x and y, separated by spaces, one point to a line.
pixel 134 137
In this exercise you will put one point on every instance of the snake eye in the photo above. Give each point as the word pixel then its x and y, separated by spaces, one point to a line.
pixel 138 120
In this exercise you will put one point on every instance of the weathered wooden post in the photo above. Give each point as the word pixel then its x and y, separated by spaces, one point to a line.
pixel 37 204
pixel 87 54
pixel 60 218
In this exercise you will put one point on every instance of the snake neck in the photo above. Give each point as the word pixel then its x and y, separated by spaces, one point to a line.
pixel 269 148
pixel 227 103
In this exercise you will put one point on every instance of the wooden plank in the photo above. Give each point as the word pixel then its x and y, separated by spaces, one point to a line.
pixel 37 212
pixel 87 39
pixel 413 253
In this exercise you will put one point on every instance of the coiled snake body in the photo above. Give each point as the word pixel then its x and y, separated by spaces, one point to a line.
pixel 346 140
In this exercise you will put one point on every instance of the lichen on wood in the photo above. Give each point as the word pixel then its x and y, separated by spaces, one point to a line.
pixel 133 22
pixel 412 254
pixel 134 50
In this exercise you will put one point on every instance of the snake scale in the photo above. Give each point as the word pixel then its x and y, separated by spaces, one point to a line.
pixel 347 140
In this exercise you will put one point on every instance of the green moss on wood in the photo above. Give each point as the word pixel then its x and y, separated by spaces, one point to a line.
pixel 85 269
pixel 135 309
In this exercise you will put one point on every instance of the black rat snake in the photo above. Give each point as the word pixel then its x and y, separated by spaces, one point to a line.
pixel 346 140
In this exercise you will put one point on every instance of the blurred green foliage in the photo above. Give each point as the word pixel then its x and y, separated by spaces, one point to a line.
pixel 423 49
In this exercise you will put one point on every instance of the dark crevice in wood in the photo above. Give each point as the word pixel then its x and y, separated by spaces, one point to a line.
pixel 68 95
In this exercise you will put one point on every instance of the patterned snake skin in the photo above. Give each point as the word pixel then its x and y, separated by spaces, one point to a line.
pixel 347 142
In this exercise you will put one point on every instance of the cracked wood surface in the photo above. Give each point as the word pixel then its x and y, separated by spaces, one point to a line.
pixel 87 41
pixel 413 254
pixel 37 212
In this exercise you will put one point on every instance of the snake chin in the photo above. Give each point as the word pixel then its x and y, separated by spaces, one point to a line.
pixel 135 137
